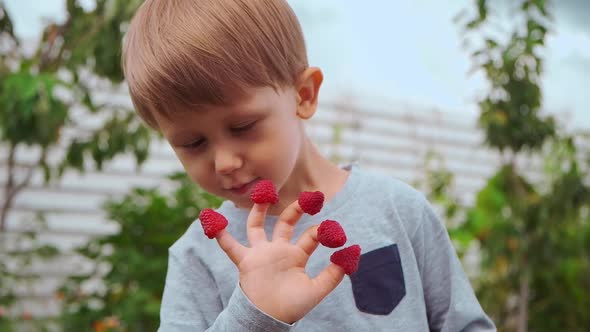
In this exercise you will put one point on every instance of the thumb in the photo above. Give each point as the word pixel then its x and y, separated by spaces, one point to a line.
pixel 328 279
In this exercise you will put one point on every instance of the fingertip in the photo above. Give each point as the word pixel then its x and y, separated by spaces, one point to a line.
pixel 220 234
pixel 337 270
pixel 261 207
pixel 298 207
pixel 314 230
pixel 330 278
pixel 222 238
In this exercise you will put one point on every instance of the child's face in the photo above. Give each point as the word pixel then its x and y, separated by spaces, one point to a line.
pixel 225 149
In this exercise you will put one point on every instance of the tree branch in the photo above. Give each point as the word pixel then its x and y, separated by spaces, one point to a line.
pixel 11 189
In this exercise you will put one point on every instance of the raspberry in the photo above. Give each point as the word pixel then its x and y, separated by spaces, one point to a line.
pixel 347 258
pixel 213 222
pixel 264 192
pixel 331 234
pixel 311 202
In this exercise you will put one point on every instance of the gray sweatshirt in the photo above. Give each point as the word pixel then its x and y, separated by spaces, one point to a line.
pixel 409 276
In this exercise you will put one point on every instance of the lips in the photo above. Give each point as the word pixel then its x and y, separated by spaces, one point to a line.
pixel 244 188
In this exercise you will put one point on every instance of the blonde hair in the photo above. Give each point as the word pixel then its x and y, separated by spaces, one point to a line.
pixel 184 53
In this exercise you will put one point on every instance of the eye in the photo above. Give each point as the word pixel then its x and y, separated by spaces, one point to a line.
pixel 243 128
pixel 195 144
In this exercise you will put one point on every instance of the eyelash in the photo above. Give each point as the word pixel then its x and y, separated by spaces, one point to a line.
pixel 244 128
pixel 236 130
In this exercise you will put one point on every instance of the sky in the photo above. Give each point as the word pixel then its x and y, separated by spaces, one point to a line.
pixel 406 55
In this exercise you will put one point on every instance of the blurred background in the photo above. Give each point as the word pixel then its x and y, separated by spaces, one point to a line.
pixel 479 104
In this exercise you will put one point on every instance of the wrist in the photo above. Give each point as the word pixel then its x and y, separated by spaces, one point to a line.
pixel 269 309
pixel 250 317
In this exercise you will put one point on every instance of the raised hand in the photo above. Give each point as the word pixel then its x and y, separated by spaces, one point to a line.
pixel 272 272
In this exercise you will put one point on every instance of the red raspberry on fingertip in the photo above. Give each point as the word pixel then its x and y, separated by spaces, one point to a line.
pixel 213 222
pixel 264 192
pixel 347 258
pixel 331 234
pixel 311 202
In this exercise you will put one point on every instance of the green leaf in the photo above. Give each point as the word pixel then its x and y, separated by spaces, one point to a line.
pixel 139 257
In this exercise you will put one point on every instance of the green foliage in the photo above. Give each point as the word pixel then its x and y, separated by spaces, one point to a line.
pixel 533 236
pixel 510 112
pixel 89 39
pixel 150 222
pixel 28 102
pixel 118 135
pixel 540 231
pixel 38 92
pixel 46 96
pixel 542 236
pixel 438 181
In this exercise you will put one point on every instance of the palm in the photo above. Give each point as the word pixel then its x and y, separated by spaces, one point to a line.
pixel 272 273
pixel 273 257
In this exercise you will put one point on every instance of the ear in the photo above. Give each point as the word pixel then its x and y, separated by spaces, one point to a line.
pixel 308 88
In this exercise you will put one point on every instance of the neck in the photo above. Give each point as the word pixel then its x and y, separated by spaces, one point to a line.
pixel 312 172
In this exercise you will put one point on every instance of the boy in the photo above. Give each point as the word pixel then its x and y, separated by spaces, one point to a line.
pixel 228 85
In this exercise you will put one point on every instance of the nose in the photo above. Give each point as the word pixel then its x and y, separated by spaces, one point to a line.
pixel 227 160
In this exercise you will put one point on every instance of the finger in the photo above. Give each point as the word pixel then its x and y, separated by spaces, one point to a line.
pixel 287 220
pixel 232 248
pixel 308 241
pixel 255 224
pixel 328 279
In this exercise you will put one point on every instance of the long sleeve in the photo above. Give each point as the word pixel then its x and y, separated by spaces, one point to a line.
pixel 191 302
pixel 450 301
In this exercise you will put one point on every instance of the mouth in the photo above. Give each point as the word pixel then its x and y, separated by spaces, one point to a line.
pixel 244 188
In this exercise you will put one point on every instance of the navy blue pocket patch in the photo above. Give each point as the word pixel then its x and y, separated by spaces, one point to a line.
pixel 378 285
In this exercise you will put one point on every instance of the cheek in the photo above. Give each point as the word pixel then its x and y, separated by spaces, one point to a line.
pixel 200 178
pixel 277 152
pixel 197 170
